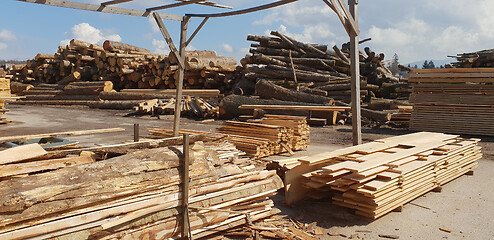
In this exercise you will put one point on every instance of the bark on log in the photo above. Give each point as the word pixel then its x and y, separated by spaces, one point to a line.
pixel 17 87
pixel 269 90
pixel 115 46
pixel 378 116
pixel 314 77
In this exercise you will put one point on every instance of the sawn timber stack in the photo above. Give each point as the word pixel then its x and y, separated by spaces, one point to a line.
pixel 380 176
pixel 453 100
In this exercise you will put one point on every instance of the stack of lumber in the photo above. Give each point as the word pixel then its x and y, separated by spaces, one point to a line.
pixel 4 95
pixel 131 196
pixel 378 177
pixel 480 59
pixel 313 68
pixel 261 140
pixel 301 130
pixel 126 66
pixel 453 100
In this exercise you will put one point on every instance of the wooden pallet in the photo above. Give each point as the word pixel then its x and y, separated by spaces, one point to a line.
pixel 377 177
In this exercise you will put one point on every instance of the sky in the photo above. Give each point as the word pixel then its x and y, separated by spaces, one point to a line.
pixel 415 30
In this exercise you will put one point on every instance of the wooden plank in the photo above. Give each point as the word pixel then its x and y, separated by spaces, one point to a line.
pixel 21 153
pixel 454 70
pixel 30 167
pixel 60 134
pixel 452 75
pixel 451 80
pixel 114 2
pixel 105 9
pixel 303 108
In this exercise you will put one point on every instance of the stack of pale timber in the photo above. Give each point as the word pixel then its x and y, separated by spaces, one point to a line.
pixel 126 66
pixel 313 68
pixel 260 139
pixel 453 100
pixel 4 95
pixel 301 130
pixel 480 59
pixel 130 196
pixel 378 177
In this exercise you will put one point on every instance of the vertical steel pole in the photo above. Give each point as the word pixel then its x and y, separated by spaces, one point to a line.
pixel 355 70
pixel 185 188
pixel 181 70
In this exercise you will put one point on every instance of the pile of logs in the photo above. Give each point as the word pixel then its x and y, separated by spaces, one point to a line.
pixel 194 107
pixel 315 69
pixel 126 66
pixel 378 177
pixel 4 95
pixel 453 100
pixel 478 59
pixel 132 195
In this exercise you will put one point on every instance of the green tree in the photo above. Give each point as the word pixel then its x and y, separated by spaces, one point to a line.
pixel 425 65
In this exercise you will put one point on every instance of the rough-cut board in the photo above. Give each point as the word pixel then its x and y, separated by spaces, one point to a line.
pixel 377 177
pixel 69 133
pixel 21 153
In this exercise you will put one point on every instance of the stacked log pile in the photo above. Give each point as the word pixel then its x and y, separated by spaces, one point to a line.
pixel 4 95
pixel 453 100
pixel 193 107
pixel 315 69
pixel 480 59
pixel 126 66
pixel 378 177
pixel 131 196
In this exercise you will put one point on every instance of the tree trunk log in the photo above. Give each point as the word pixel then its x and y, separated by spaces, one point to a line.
pixel 268 90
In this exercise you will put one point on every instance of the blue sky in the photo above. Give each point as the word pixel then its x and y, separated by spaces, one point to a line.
pixel 415 30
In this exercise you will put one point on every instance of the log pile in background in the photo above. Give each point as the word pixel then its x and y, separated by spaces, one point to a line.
pixel 194 107
pixel 453 100
pixel 315 69
pixel 122 198
pixel 4 95
pixel 378 177
pixel 478 59
pixel 126 66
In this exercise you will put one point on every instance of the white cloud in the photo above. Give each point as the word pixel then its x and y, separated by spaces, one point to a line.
pixel 227 48
pixel 7 35
pixel 3 46
pixel 160 47
pixel 90 34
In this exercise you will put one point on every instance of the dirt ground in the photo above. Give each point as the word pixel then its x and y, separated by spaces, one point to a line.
pixel 465 205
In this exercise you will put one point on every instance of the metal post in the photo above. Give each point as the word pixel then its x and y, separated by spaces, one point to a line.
pixel 181 70
pixel 185 188
pixel 136 132
pixel 355 69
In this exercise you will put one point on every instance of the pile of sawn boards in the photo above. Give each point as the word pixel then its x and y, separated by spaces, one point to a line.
pixel 4 94
pixel 453 100
pixel 132 196
pixel 273 134
pixel 380 176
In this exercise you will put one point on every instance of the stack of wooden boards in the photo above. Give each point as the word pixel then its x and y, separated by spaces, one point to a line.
pixel 315 69
pixel 126 66
pixel 453 100
pixel 132 196
pixel 273 134
pixel 4 95
pixel 380 176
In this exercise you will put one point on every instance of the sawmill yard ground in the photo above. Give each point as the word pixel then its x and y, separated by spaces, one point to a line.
pixel 465 206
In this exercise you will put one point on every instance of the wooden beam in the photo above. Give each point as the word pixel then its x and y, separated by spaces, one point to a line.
pixel 59 134
pixel 209 3
pixel 181 73
pixel 173 5
pixel 332 4
pixel 100 8
pixel 114 2
pixel 168 39
pixel 355 83
pixel 20 153
pixel 196 31
pixel 302 108
pixel 244 11
pixel 349 17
